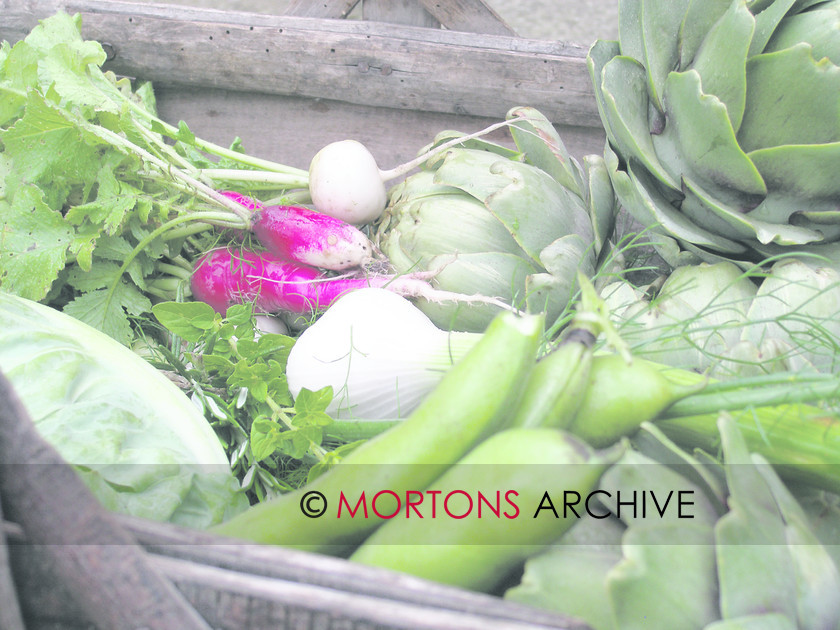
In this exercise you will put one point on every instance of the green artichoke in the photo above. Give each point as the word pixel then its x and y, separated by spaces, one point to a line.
pixel 750 556
pixel 723 125
pixel 718 319
pixel 516 225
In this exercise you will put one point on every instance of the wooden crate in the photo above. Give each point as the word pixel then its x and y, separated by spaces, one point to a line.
pixel 287 85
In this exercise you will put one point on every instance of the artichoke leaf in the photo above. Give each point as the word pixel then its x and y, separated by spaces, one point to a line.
pixel 549 294
pixel 426 230
pixel 721 61
pixel 542 146
pixel 626 110
pixel 567 255
pixel 677 562
pixel 818 579
pixel 536 209
pixel 823 511
pixel 818 27
pixel 801 304
pixel 491 274
pixel 675 252
pixel 708 212
pixel 700 17
pixel 569 579
pixel 699 467
pixel 469 170
pixel 600 53
pixel 793 99
pixel 700 143
pixel 644 201
pixel 767 20
pixel 751 538
pixel 800 171
pixel 660 23
pixel 553 291
pixel 603 208
pixel 828 254
pixel 629 30
pixel 662 483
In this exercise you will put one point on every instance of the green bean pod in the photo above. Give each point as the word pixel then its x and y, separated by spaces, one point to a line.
pixel 555 389
pixel 621 396
pixel 475 398
pixel 501 504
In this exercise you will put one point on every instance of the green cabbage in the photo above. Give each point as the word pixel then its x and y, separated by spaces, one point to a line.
pixel 137 441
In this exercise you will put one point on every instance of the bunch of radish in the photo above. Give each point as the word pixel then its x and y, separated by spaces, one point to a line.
pixel 303 248
pixel 297 270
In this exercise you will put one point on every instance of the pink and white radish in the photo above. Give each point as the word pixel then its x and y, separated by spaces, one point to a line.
pixel 228 276
pixel 307 237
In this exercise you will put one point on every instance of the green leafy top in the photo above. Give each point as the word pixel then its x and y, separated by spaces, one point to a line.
pixel 96 201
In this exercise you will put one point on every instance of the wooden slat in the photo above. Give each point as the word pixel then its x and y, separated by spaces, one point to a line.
pixel 336 9
pixel 353 61
pixel 244 586
pixel 473 16
pixel 334 573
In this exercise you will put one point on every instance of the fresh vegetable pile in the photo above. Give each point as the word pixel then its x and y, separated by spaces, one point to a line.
pixel 476 335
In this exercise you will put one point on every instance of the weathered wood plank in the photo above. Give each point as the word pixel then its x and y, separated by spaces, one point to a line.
pixel 322 9
pixel 473 16
pixel 319 607
pixel 323 571
pixel 253 587
pixel 409 12
pixel 354 61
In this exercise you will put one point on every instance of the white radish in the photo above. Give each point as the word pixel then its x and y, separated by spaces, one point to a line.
pixel 346 183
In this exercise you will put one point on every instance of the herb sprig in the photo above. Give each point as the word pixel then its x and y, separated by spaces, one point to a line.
pixel 237 374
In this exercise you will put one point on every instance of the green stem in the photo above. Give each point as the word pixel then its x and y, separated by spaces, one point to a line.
pixel 214 216
pixel 799 392
pixel 168 284
pixel 174 270
pixel 351 431
pixel 187 230
pixel 163 294
pixel 316 449
pixel 278 180
pixel 215 149
pixel 171 153
pixel 182 262
pixel 291 197
pixel 200 188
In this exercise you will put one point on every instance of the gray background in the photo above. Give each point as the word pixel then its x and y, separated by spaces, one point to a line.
pixel 575 21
